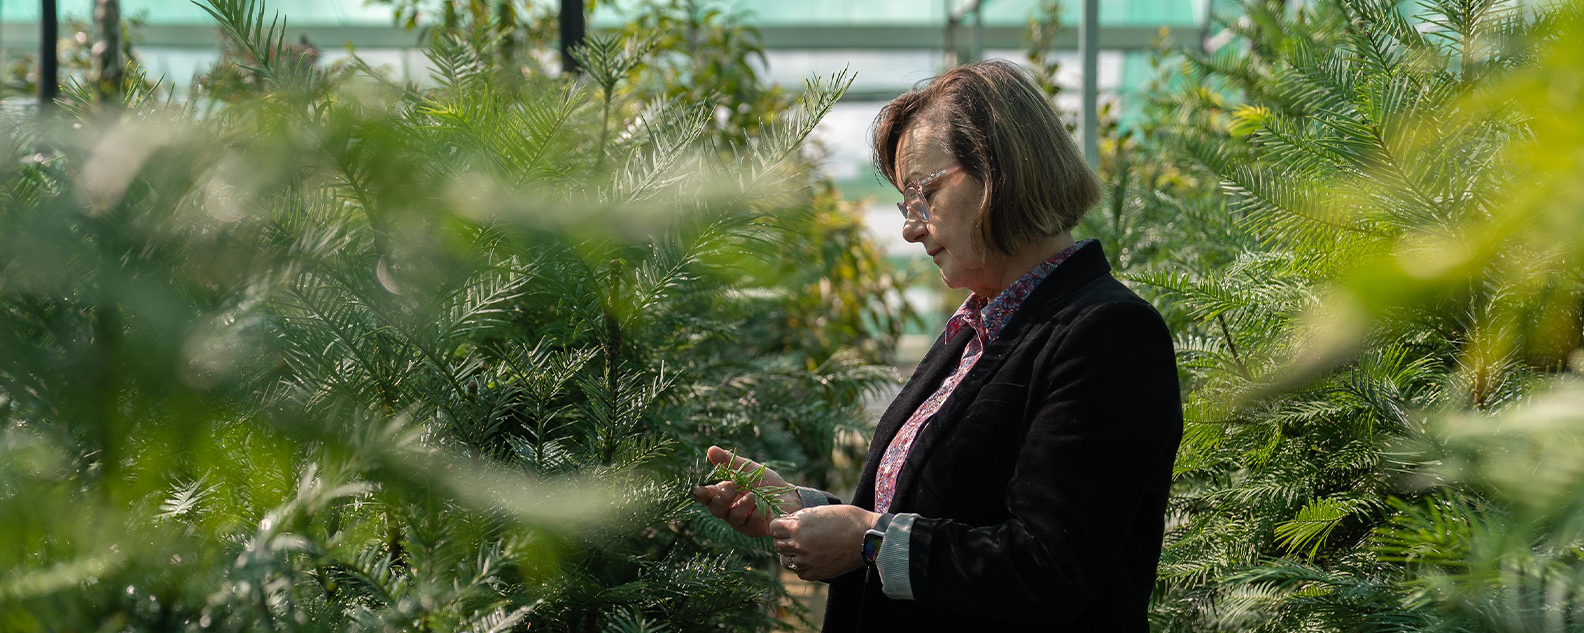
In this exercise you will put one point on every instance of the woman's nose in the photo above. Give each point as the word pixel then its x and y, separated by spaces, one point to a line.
pixel 913 229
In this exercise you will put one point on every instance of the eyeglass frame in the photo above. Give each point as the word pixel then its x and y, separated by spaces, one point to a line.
pixel 916 191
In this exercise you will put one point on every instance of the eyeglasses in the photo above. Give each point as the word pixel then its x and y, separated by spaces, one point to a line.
pixel 913 195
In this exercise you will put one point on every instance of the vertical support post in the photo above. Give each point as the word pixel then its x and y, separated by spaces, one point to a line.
pixel 49 64
pixel 978 32
pixel 108 66
pixel 1204 32
pixel 1089 41
pixel 571 33
pixel 506 26
pixel 949 56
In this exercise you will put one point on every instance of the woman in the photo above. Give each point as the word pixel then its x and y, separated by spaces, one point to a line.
pixel 1019 480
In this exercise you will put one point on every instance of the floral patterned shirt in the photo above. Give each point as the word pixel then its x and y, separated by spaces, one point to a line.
pixel 987 317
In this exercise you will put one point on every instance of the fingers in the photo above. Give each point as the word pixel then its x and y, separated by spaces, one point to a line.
pixel 729 503
pixel 738 508
pixel 706 493
pixel 718 455
pixel 725 494
pixel 781 528
pixel 741 510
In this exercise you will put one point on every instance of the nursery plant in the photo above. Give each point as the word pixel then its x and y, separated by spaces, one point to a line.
pixel 344 353
pixel 1385 374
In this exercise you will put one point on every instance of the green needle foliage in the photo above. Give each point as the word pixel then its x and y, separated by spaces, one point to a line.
pixel 767 499
pixel 344 354
pixel 1382 423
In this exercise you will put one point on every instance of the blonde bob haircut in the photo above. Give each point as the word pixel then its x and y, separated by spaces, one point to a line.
pixel 1004 133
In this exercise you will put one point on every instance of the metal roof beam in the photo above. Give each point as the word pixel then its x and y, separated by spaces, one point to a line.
pixel 789 37
pixel 961 12
pixel 208 35
pixel 933 37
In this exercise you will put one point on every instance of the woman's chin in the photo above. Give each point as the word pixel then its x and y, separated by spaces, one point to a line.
pixel 952 279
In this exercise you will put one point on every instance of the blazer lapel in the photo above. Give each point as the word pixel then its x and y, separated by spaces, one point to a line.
pixel 937 363
pixel 1082 267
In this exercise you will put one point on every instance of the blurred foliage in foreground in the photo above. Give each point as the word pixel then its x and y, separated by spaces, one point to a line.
pixel 347 354
pixel 1386 423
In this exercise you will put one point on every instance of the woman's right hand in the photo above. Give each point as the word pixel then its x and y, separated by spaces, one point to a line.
pixel 736 506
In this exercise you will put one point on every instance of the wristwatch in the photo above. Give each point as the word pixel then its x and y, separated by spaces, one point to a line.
pixel 872 538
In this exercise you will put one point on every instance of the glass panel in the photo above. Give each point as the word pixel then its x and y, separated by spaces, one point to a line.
pixel 933 12
pixel 299 12
pixel 768 13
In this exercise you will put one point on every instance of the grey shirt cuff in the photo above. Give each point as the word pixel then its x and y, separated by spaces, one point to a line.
pixel 892 561
pixel 811 497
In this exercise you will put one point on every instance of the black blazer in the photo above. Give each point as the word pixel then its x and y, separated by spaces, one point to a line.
pixel 1041 483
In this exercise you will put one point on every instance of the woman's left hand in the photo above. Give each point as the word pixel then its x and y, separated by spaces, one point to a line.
pixel 822 542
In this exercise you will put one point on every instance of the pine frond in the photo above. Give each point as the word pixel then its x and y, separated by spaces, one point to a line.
pixel 608 59
pixel 500 620
pixel 1315 522
pixel 185 500
pixel 770 155
pixel 663 135
pixel 480 303
pixel 367 580
pixel 459 63
pixel 243 21
pixel 1436 533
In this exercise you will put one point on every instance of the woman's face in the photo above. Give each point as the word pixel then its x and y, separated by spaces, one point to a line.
pixel 953 202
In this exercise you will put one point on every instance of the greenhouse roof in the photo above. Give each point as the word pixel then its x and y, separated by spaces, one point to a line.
pixel 810 24
pixel 762 12
pixel 888 45
pixel 933 12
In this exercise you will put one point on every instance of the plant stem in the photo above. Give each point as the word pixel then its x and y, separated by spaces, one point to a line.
pixel 1227 334
pixel 612 348
pixel 604 124
pixel 1119 192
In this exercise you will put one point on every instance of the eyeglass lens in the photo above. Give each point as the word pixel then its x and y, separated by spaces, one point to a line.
pixel 912 203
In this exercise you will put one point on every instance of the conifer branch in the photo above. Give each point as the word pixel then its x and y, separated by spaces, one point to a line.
pixel 767 499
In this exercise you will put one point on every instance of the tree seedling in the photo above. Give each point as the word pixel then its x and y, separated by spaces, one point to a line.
pixel 767 499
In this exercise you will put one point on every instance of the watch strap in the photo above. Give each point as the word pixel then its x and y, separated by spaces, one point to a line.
pixel 883 522
pixel 873 538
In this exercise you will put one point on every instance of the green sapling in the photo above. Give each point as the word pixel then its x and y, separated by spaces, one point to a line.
pixel 767 498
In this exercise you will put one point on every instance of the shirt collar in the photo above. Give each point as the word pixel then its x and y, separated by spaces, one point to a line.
pixel 989 316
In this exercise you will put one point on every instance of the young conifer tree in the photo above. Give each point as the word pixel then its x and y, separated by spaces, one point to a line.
pixel 369 356
pixel 1331 476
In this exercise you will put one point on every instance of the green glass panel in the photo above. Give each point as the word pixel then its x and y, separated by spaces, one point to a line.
pixel 1112 13
pixel 931 12
pixel 804 12
pixel 761 12
pixel 1136 70
pixel 301 12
